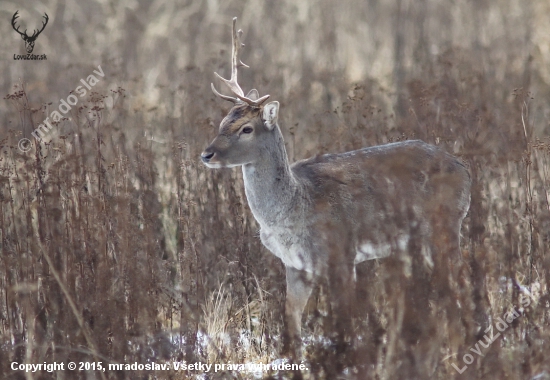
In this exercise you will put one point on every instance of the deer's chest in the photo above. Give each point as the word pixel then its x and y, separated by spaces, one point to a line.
pixel 290 245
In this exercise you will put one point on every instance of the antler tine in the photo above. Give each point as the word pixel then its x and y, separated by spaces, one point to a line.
pixel 235 64
pixel 225 97
pixel 239 44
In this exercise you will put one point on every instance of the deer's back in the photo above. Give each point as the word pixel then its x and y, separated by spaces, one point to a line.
pixel 411 168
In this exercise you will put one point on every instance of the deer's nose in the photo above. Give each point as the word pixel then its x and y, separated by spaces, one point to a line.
pixel 206 156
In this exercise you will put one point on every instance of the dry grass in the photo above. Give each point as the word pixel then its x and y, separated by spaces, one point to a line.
pixel 118 245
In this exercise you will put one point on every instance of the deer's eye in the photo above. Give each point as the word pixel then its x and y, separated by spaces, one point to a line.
pixel 247 130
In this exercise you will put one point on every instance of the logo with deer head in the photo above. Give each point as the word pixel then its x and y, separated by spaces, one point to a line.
pixel 29 40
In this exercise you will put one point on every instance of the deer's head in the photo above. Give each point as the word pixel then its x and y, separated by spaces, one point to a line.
pixel 246 129
pixel 29 40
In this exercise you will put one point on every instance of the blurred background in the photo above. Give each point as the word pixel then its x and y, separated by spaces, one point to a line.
pixel 118 245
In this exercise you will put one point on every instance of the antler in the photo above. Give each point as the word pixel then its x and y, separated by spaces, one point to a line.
pixel 235 64
pixel 36 33
pixel 15 16
pixel 24 34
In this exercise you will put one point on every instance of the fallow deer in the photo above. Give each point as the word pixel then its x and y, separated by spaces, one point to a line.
pixel 368 201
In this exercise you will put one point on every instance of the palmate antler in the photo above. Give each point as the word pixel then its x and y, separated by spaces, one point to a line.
pixel 235 64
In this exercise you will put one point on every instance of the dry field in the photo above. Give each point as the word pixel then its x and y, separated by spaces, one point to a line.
pixel 118 246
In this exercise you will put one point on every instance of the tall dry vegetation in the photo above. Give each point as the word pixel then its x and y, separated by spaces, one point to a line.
pixel 118 246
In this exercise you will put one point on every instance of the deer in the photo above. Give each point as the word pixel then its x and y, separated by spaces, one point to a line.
pixel 367 203
pixel 29 40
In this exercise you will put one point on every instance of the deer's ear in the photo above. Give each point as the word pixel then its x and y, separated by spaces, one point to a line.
pixel 270 114
pixel 253 94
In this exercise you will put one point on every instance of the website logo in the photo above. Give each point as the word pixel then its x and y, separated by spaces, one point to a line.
pixel 29 40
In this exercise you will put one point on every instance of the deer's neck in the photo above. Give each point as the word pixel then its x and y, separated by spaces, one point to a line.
pixel 270 187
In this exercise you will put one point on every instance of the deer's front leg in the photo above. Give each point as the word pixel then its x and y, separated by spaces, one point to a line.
pixel 298 289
